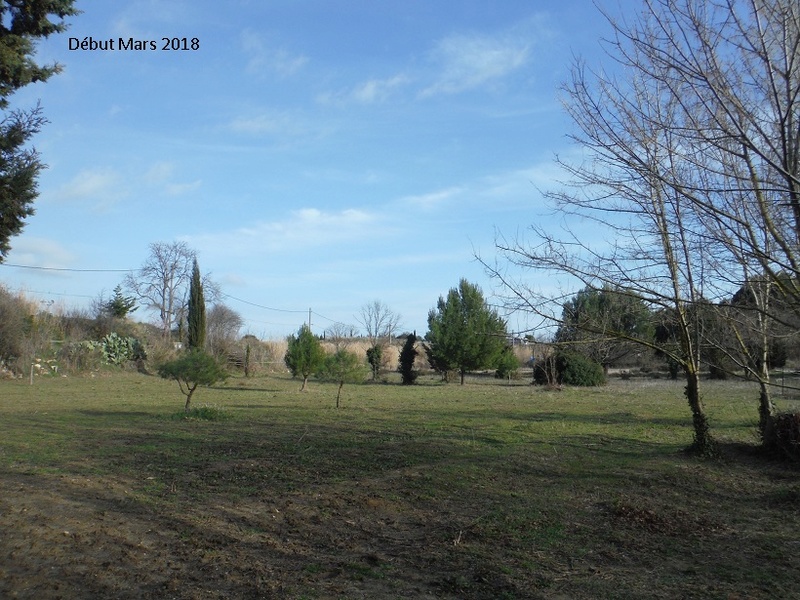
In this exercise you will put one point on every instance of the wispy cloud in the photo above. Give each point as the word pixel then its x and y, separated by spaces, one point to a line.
pixel 469 61
pixel 41 252
pixel 102 187
pixel 138 18
pixel 275 124
pixel 161 175
pixel 302 230
pixel 432 200
pixel 263 58
pixel 371 91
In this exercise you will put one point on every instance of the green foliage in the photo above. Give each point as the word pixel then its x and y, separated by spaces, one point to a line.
pixel 576 369
pixel 81 356
pixel 375 360
pixel 464 333
pixel 342 367
pixel 196 330
pixel 304 355
pixel 13 316
pixel 120 306
pixel 408 355
pixel 118 350
pixel 22 24
pixel 568 368
pixel 602 324
pixel 785 434
pixel 507 364
pixel 191 369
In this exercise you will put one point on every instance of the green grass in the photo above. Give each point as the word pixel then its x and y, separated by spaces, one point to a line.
pixel 482 491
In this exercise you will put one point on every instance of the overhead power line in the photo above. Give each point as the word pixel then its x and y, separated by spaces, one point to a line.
pixel 283 310
pixel 66 269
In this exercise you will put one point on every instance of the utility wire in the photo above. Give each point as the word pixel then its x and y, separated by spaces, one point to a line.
pixel 2 264
pixel 283 310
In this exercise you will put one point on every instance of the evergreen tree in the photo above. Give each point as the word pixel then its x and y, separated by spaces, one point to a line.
pixel 120 306
pixel 192 369
pixel 304 354
pixel 196 331
pixel 407 356
pixel 22 23
pixel 342 367
pixel 464 333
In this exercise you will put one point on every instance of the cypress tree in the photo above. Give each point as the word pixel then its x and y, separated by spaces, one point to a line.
pixel 196 331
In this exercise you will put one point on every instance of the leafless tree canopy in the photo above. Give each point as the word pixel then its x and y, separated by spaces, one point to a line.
pixel 691 174
pixel 222 328
pixel 379 321
pixel 162 283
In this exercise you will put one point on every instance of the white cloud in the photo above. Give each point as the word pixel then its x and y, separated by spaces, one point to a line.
pixel 470 61
pixel 41 252
pixel 104 187
pixel 303 230
pixel 262 58
pixel 432 200
pixel 275 124
pixel 178 189
pixel 159 172
pixel 371 91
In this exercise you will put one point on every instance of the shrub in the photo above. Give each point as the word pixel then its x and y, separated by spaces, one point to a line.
pixel 568 368
pixel 786 434
pixel 77 357
pixel 507 364
pixel 375 360
pixel 118 350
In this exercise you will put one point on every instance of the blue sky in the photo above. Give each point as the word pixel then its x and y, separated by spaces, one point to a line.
pixel 316 154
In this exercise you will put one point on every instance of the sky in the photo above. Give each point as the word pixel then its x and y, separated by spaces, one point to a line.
pixel 318 155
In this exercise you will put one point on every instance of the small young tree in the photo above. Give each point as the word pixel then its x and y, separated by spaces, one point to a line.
pixel 191 369
pixel 375 360
pixel 507 364
pixel 407 356
pixel 196 330
pixel 304 355
pixel 120 306
pixel 343 367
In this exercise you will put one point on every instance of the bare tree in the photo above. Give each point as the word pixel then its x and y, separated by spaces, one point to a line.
pixel 692 169
pixel 379 321
pixel 222 328
pixel 340 335
pixel 162 283
pixel 380 324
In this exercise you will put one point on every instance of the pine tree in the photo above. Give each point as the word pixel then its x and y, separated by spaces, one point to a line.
pixel 196 330
pixel 304 354
pixel 120 306
pixel 464 333
pixel 22 23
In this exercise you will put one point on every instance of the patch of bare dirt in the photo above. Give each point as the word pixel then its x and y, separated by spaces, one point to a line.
pixel 84 537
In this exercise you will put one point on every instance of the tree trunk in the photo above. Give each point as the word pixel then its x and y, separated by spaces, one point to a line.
pixel 703 443
pixel 303 387
pixel 462 376
pixel 339 393
pixel 766 417
pixel 189 393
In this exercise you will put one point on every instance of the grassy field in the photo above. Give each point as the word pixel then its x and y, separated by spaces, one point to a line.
pixel 431 491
